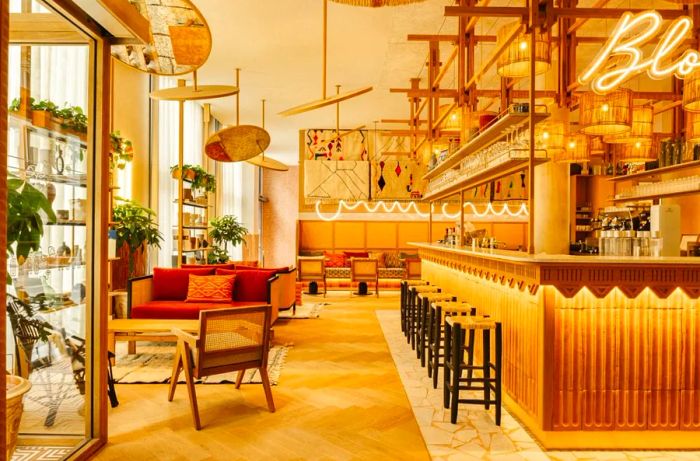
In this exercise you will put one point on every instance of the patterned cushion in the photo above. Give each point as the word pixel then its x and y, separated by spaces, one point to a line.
pixel 210 288
pixel 379 256
pixel 392 272
pixel 392 260
pixel 338 272
pixel 335 259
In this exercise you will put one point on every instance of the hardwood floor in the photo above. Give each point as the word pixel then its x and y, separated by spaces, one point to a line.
pixel 339 398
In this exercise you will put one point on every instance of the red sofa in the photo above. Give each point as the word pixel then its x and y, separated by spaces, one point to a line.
pixel 162 295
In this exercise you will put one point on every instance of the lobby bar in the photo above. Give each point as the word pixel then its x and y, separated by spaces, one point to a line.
pixel 598 352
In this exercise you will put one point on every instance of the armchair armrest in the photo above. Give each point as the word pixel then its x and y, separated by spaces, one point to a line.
pixel 274 290
pixel 282 292
pixel 186 337
pixel 139 291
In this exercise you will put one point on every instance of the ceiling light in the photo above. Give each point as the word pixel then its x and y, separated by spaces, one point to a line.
pixel 642 127
pixel 514 61
pixel 605 114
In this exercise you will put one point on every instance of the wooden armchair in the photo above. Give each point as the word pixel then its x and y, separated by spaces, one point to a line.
pixel 312 269
pixel 234 339
pixel 364 270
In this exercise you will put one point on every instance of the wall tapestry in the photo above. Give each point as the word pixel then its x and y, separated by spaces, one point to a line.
pixel 324 145
pixel 396 177
pixel 336 180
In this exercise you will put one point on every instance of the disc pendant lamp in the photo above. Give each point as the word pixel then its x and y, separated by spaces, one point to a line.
pixel 514 61
pixel 267 162
pixel 325 99
pixel 237 143
pixel 376 3
pixel 642 128
pixel 607 114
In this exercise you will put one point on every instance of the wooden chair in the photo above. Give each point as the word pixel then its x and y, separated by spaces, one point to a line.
pixel 235 339
pixel 413 268
pixel 364 270
pixel 312 269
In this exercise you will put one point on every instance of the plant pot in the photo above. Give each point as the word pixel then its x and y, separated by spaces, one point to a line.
pixel 41 118
pixel 176 173
pixel 190 175
pixel 16 388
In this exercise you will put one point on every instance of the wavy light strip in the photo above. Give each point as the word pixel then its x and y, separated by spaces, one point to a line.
pixel 490 210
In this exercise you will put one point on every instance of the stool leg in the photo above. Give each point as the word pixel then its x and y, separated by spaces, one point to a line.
pixel 420 336
pixel 499 350
pixel 456 372
pixel 437 338
pixel 470 357
pixel 446 365
pixel 431 339
pixel 402 305
pixel 487 368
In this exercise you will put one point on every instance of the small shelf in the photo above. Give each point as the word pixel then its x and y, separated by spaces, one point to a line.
pixel 497 131
pixel 638 198
pixel 194 204
pixel 53 131
pixel 195 227
pixel 46 267
pixel 193 251
pixel 66 223
pixel 657 171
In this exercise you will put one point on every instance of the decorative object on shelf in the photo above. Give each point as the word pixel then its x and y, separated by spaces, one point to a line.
pixel 514 61
pixel 226 229
pixel 121 151
pixel 50 192
pixel 25 225
pixel 642 128
pixel 377 3
pixel 136 228
pixel 605 114
pixel 62 215
pixel 59 161
pixel 691 92
pixel 177 39
pixel 325 100
pixel 576 150
pixel 638 152
pixel 63 250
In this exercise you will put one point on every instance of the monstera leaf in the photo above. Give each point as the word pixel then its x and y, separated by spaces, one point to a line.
pixel 25 224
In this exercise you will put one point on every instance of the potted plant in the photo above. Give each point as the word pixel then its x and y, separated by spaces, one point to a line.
pixel 187 170
pixel 226 229
pixel 42 112
pixel 217 255
pixel 72 118
pixel 136 229
pixel 121 151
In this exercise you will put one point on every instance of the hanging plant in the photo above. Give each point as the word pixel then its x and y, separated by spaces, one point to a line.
pixel 121 152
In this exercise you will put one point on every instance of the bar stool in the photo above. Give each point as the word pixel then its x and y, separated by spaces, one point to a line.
pixel 454 364
pixel 412 309
pixel 405 286
pixel 436 319
pixel 421 331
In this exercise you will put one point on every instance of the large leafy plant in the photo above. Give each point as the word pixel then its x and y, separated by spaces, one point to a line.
pixel 121 151
pixel 136 227
pixel 226 229
pixel 25 224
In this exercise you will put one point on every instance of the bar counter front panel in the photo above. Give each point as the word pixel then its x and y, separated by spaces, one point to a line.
pixel 598 352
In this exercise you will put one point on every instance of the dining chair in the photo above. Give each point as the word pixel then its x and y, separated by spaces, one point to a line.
pixel 312 269
pixel 364 270
pixel 230 339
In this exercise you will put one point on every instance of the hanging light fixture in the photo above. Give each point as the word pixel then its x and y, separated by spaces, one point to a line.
pixel 637 152
pixel 453 121
pixel 691 92
pixel 605 114
pixel 596 147
pixel 575 150
pixel 692 127
pixel 514 61
pixel 642 128
pixel 376 3
pixel 550 136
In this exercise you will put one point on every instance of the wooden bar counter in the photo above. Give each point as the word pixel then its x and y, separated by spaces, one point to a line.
pixel 598 352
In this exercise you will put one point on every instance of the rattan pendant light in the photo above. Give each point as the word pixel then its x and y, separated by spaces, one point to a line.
pixel 376 3
pixel 607 114
pixel 691 92
pixel 551 137
pixel 575 150
pixel 642 128
pixel 514 61
pixel 692 127
pixel 596 147
pixel 637 152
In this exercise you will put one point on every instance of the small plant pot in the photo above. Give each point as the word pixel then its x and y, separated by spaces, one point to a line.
pixel 190 175
pixel 17 387
pixel 41 118
pixel 176 173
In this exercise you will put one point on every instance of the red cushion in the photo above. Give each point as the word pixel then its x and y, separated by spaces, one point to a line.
pixel 210 288
pixel 240 267
pixel 250 285
pixel 209 266
pixel 179 309
pixel 335 259
pixel 172 283
pixel 356 254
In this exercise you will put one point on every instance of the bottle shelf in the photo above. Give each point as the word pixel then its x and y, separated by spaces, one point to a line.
pixel 657 171
pixel 194 204
pixel 639 198
pixel 54 130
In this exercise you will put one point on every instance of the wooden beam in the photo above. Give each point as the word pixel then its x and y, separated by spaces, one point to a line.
pixel 611 13
pixel 666 107
pixel 494 55
pixel 411 93
pixel 431 38
pixel 581 21
pixel 41 28
pixel 490 12
pixel 401 121
pixel 129 17
pixel 403 132
pixel 443 116
pixel 445 67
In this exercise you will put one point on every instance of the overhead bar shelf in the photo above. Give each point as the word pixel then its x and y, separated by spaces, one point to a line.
pixel 499 129
pixel 658 171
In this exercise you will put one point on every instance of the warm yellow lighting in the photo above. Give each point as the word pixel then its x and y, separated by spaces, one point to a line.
pixel 576 150
pixel 608 114
pixel 642 128
pixel 545 135
pixel 412 207
pixel 637 152
pixel 631 33
pixel 691 92
pixel 692 127
pixel 550 136
pixel 453 122
pixel 514 61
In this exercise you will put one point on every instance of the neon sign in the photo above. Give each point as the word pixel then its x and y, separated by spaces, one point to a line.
pixel 621 58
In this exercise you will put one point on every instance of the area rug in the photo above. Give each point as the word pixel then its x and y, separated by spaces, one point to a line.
pixel 312 311
pixel 153 364
pixel 39 453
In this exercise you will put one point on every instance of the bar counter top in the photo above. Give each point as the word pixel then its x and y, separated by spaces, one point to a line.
pixel 522 257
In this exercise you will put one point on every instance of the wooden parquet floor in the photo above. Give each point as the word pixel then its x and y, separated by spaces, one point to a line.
pixel 339 398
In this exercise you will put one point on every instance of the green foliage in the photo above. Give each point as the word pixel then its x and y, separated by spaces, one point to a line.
pixel 202 179
pixel 44 104
pixel 14 105
pixel 217 255
pixel 25 225
pixel 121 151
pixel 73 118
pixel 135 226
pixel 226 229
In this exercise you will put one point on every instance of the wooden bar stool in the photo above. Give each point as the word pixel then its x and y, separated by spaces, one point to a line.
pixel 412 309
pixel 405 287
pixel 421 330
pixel 436 318
pixel 455 328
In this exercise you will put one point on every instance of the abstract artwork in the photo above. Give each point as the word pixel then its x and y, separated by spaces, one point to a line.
pixel 336 180
pixel 325 145
pixel 394 176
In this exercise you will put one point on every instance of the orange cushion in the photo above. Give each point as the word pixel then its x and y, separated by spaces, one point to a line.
pixel 210 288
pixel 336 259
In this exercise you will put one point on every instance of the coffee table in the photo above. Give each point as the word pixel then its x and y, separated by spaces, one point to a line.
pixel 133 330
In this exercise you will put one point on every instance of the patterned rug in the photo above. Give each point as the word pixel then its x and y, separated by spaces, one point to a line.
pixel 153 364
pixel 41 453
pixel 304 312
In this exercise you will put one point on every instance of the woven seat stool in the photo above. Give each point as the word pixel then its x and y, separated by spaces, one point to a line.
pixel 455 328
pixel 421 330
pixel 436 318
pixel 412 309
pixel 405 287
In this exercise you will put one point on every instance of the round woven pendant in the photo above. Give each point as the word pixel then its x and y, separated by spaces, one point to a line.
pixel 607 114
pixel 514 61
pixel 575 150
pixel 237 143
pixel 642 128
